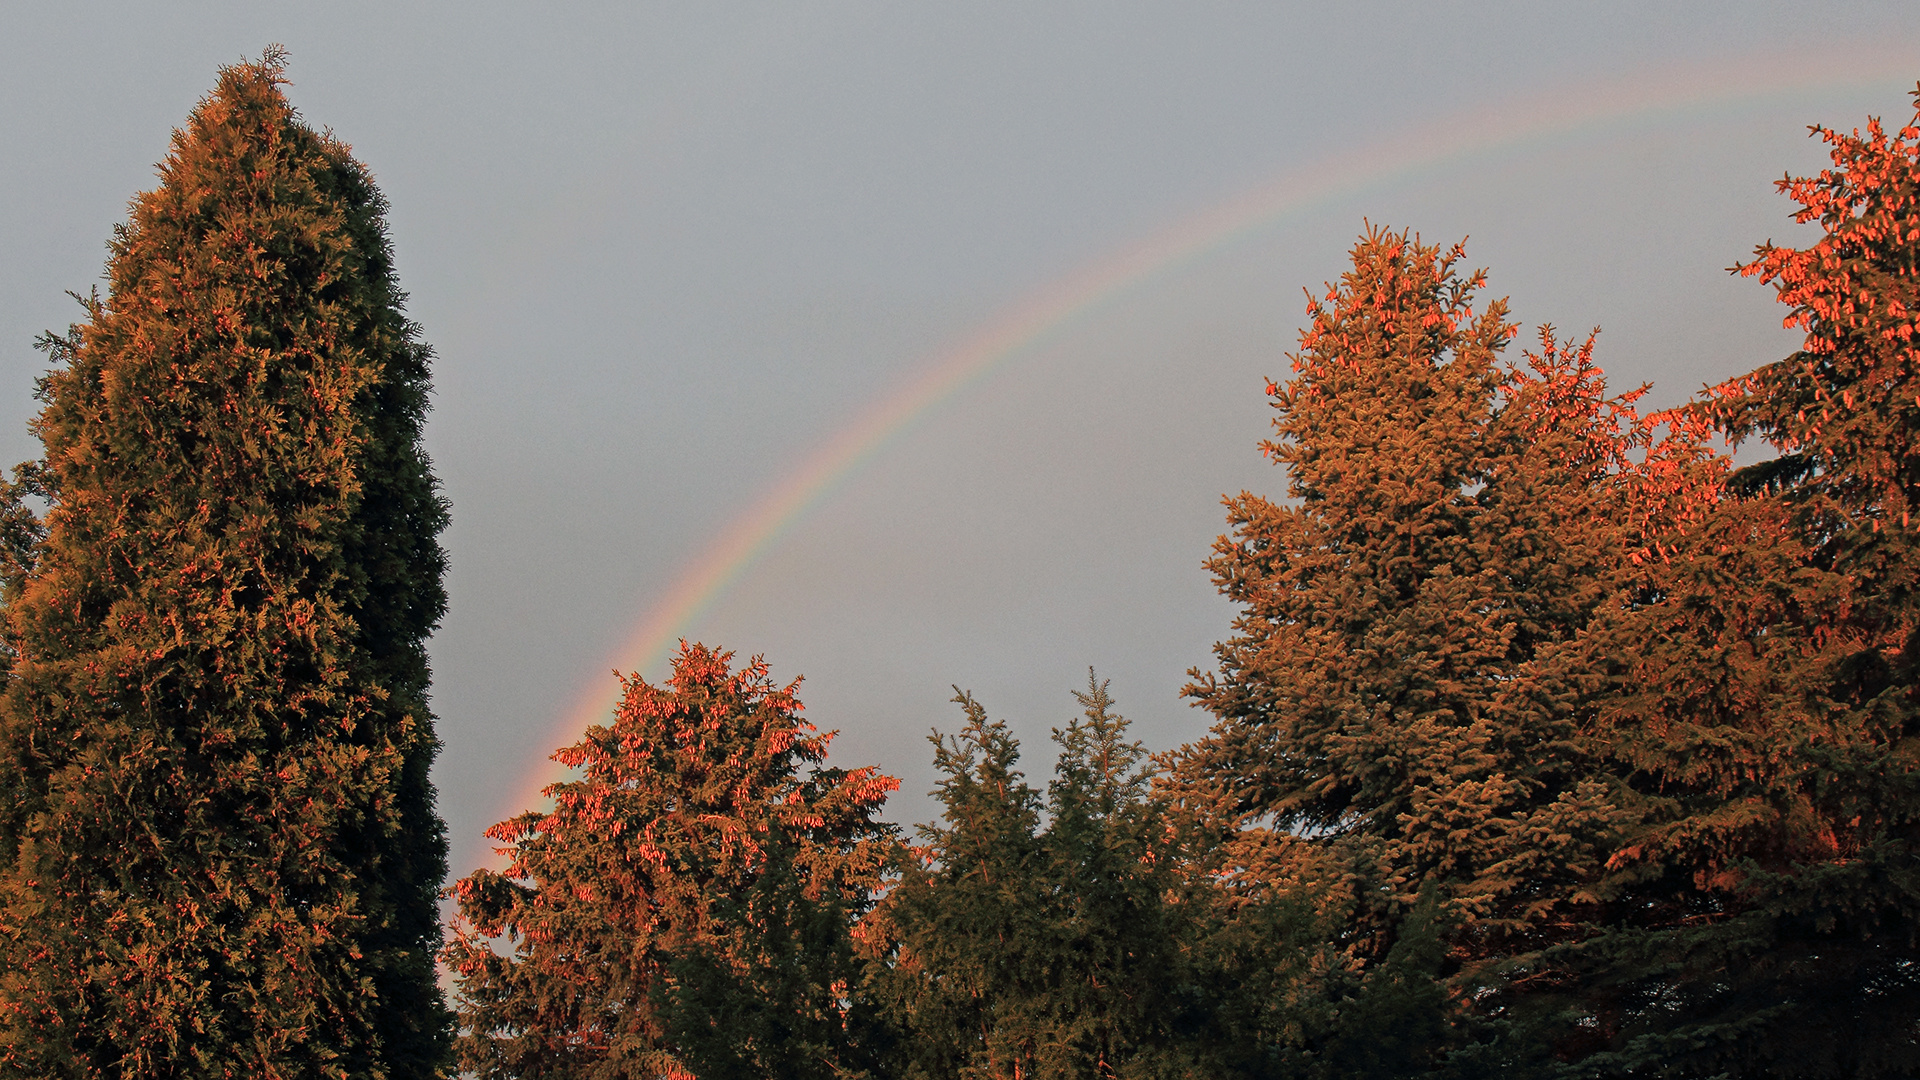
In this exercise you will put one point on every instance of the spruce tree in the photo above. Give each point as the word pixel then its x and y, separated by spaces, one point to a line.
pixel 1385 690
pixel 1769 906
pixel 1400 712
pixel 222 853
pixel 1124 994
pixel 963 932
pixel 688 907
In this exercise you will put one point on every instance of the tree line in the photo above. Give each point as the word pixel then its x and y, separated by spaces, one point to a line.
pixel 1549 741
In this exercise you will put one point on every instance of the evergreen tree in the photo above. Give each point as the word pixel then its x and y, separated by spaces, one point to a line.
pixel 687 907
pixel 222 855
pixel 968 920
pixel 1124 995
pixel 1395 688
pixel 1770 905
pixel 1028 951
pixel 1363 617
pixel 1401 711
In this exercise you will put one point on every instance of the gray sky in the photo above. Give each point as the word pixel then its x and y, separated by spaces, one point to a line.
pixel 667 251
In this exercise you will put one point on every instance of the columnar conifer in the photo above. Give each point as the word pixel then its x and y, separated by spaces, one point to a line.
pixel 221 850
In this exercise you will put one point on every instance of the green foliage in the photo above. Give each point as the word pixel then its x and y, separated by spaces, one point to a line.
pixel 222 856
pixel 1023 950
pixel 687 907
pixel 1769 714
pixel 1393 1023
pixel 1403 692
pixel 970 928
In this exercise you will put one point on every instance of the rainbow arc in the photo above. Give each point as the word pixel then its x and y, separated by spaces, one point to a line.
pixel 1662 96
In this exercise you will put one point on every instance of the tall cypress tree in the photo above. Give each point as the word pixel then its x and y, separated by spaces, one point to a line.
pixel 222 853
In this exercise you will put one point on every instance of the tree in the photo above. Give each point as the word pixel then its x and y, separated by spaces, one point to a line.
pixel 222 855
pixel 1770 716
pixel 687 907
pixel 1124 996
pixel 963 929
pixel 1400 712
pixel 1362 607
pixel 1022 950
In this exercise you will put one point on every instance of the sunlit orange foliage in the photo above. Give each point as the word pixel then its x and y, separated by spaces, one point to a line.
pixel 220 854
pixel 1401 691
pixel 1850 399
pixel 690 871
pixel 1788 628
pixel 1766 722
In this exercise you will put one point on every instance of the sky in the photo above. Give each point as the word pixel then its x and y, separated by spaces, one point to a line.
pixel 914 345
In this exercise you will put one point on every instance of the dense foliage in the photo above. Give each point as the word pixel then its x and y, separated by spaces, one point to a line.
pixel 1765 712
pixel 221 851
pixel 688 905
pixel 1017 948
pixel 1547 743
pixel 1398 689
pixel 1402 701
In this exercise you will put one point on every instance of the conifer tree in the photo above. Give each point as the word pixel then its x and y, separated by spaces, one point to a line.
pixel 964 928
pixel 221 852
pixel 1400 710
pixel 1770 903
pixel 1123 990
pixel 1023 950
pixel 688 906
pixel 1391 690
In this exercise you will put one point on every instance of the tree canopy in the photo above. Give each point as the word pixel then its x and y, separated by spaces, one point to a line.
pixel 688 906
pixel 222 855
pixel 1548 741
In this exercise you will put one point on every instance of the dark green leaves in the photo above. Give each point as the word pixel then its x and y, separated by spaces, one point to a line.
pixel 223 855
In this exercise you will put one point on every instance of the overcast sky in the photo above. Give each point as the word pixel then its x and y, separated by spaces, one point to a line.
pixel 665 252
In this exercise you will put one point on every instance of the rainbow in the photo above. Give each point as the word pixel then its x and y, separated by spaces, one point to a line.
pixel 1650 96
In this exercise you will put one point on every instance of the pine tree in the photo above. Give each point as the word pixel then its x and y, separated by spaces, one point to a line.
pixel 688 906
pixel 1770 904
pixel 222 854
